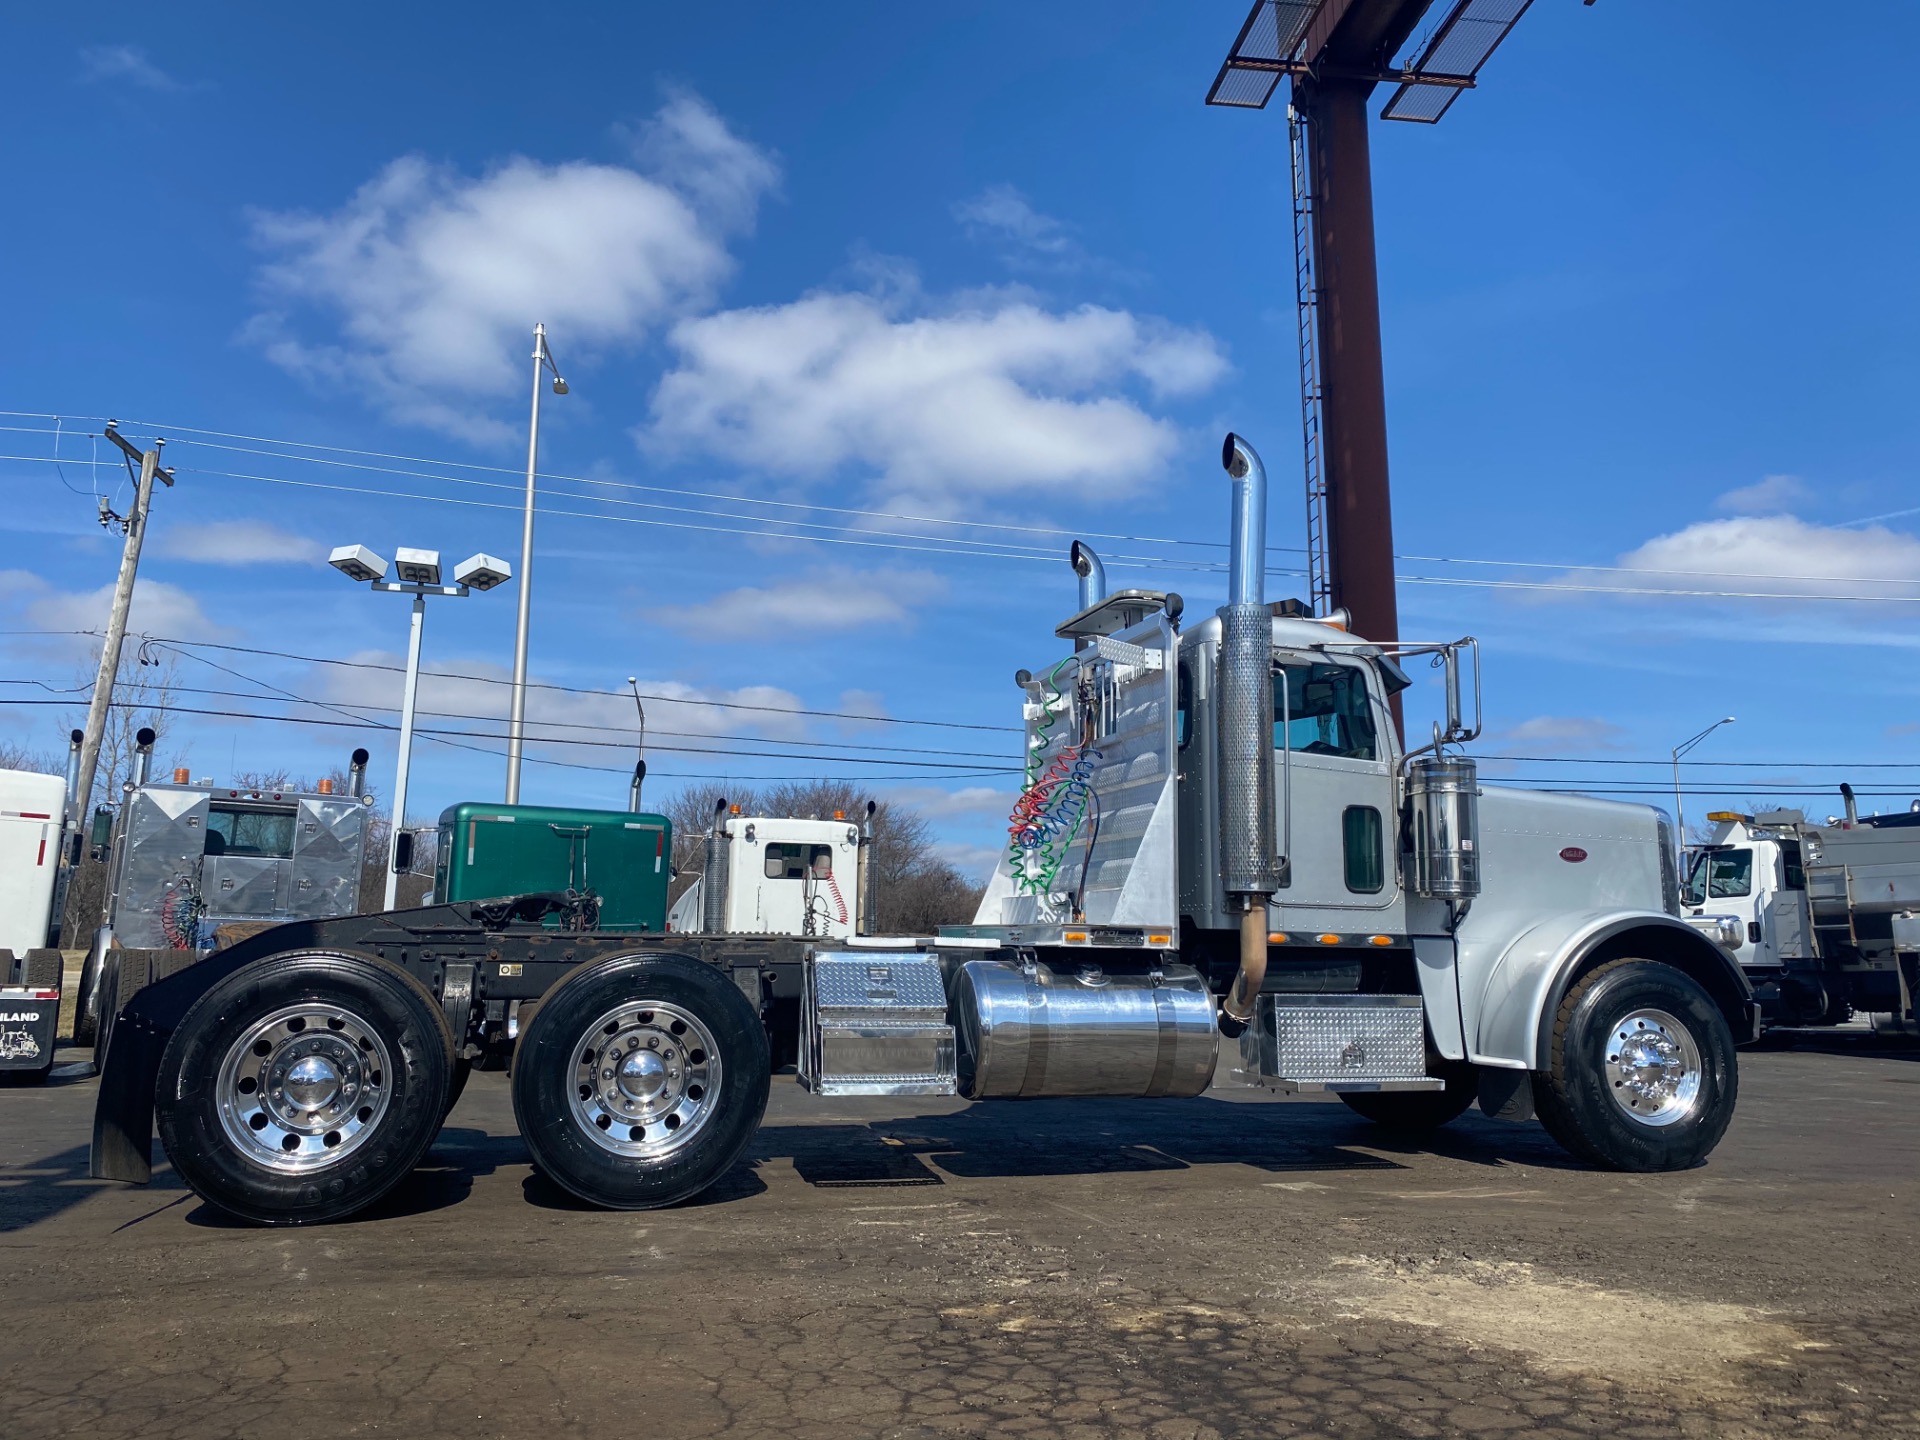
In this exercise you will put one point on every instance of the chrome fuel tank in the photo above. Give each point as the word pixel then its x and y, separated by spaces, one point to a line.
pixel 1029 1031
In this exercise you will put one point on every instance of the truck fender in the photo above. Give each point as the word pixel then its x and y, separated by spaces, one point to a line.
pixel 1524 989
pixel 123 1111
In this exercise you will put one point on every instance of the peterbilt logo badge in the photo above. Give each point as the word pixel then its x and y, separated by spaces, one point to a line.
pixel 1573 854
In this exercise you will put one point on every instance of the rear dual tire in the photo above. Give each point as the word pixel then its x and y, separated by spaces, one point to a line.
pixel 641 1080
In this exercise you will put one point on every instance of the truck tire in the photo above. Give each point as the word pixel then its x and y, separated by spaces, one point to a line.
pixel 42 970
pixel 641 1080
pixel 1641 1071
pixel 123 974
pixel 304 1086
pixel 86 1000
pixel 1414 1110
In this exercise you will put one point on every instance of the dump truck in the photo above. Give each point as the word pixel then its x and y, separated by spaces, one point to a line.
pixel 1224 866
pixel 1824 919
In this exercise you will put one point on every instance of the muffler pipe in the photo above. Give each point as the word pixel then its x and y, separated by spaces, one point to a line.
pixel 1093 575
pixel 864 901
pixel 633 790
pixel 76 808
pixel 1853 808
pixel 1249 866
pixel 713 883
pixel 142 756
pixel 357 775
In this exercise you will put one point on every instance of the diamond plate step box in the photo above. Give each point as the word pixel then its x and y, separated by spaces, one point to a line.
pixel 1337 1042
pixel 875 1023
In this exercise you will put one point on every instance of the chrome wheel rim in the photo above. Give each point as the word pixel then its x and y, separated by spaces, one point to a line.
pixel 1653 1067
pixel 304 1087
pixel 645 1079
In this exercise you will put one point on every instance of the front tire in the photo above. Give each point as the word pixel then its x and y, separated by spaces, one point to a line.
pixel 641 1080
pixel 304 1086
pixel 1641 1072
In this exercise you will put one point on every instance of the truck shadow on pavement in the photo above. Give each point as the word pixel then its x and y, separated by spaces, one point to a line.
pixel 1091 1137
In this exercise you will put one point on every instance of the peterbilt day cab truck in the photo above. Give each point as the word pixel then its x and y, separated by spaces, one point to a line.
pixel 1824 919
pixel 1221 851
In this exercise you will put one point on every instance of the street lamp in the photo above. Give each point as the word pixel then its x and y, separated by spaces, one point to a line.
pixel 419 576
pixel 516 729
pixel 1679 812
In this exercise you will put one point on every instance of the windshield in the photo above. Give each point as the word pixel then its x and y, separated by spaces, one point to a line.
pixel 1720 875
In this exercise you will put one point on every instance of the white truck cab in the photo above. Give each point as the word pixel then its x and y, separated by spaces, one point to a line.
pixel 776 876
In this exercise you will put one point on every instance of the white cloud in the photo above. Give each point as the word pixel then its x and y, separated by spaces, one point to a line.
pixel 827 600
pixel 237 542
pixel 434 279
pixel 158 609
pixel 128 63
pixel 476 695
pixel 1772 495
pixel 995 397
pixel 1002 216
pixel 1768 556
pixel 1565 733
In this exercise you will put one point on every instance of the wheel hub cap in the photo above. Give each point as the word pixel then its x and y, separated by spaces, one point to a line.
pixel 646 1079
pixel 313 1082
pixel 303 1087
pixel 1653 1067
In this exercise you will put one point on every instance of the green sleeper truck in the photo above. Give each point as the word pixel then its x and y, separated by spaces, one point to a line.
pixel 487 851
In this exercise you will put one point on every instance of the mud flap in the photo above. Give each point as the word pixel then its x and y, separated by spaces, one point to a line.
pixel 123 1111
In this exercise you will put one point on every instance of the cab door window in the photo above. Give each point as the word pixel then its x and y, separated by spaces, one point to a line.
pixel 1324 709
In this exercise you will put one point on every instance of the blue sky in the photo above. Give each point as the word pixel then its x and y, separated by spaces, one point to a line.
pixel 1649 303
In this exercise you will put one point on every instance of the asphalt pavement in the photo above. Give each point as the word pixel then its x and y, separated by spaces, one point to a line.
pixel 1234 1265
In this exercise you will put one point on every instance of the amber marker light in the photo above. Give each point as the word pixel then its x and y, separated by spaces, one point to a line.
pixel 1328 939
pixel 1379 939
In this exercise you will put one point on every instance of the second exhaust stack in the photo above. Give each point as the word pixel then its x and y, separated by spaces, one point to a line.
pixel 1248 864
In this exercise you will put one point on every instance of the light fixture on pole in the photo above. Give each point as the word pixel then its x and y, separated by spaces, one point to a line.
pixel 517 725
pixel 1679 811
pixel 419 576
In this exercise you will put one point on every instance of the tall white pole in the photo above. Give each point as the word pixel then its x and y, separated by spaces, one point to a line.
pixel 406 749
pixel 516 728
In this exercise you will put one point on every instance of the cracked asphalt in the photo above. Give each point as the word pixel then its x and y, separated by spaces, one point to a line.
pixel 1237 1265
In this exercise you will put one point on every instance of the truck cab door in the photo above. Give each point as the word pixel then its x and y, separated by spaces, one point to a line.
pixel 1334 753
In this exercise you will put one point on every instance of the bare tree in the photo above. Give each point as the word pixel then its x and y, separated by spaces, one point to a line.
pixel 691 814
pixel 143 697
pixel 15 756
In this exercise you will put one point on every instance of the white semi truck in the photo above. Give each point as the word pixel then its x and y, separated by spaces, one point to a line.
pixel 1221 852
pixel 778 875
pixel 1823 918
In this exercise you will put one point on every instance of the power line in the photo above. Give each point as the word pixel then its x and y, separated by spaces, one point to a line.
pixel 954 545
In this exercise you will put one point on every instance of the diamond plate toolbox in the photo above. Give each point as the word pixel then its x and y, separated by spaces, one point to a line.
pixel 1337 1042
pixel 875 1023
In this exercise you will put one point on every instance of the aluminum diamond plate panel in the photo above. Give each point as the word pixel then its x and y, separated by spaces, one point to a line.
pixel 1337 1039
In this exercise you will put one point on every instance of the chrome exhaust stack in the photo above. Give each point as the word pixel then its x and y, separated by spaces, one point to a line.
pixel 713 883
pixel 1093 575
pixel 1249 865
pixel 357 775
pixel 143 756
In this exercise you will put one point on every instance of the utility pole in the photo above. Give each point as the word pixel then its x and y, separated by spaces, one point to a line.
pixel 116 635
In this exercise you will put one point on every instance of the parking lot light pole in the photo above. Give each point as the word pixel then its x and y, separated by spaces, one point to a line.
pixel 418 574
pixel 517 725
pixel 1679 810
